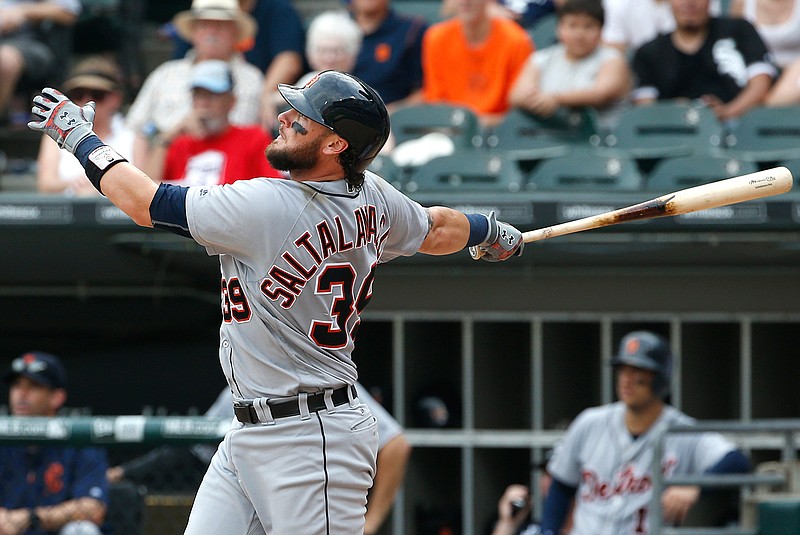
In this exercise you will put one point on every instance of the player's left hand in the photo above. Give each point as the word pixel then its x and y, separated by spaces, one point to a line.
pixel 503 242
pixel 676 502
pixel 61 119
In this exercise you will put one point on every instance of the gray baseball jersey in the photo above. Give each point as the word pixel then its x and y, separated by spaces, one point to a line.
pixel 612 469
pixel 298 261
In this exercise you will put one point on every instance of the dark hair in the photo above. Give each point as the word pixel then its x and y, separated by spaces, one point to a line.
pixel 354 179
pixel 593 8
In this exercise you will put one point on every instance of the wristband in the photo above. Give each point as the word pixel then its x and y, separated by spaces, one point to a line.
pixel 478 229
pixel 96 159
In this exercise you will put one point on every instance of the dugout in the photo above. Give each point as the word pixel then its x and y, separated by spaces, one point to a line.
pixel 514 351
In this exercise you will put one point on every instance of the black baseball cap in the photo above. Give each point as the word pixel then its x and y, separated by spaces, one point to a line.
pixel 38 366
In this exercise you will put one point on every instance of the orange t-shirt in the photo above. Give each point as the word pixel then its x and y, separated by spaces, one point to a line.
pixel 477 77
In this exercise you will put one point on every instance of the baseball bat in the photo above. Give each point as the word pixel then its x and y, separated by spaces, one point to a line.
pixel 734 190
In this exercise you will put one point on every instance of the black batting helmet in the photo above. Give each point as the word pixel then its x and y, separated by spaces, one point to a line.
pixel 347 106
pixel 648 351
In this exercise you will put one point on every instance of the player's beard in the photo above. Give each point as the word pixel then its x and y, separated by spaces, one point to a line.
pixel 303 157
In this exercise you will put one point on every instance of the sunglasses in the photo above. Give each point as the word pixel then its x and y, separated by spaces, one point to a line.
pixel 88 94
pixel 33 366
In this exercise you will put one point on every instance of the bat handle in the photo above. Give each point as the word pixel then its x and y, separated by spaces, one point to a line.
pixel 475 252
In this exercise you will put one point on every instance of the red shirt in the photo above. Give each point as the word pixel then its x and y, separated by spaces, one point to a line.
pixel 236 154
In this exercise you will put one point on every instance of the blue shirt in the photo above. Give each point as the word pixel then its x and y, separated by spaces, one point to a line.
pixel 49 475
pixel 390 59
pixel 280 29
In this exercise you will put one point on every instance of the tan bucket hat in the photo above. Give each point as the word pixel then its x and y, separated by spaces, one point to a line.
pixel 215 10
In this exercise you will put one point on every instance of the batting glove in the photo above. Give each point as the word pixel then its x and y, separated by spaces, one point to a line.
pixel 61 119
pixel 502 242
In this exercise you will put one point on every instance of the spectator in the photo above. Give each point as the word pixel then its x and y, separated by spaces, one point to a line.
pixel 277 49
pixel 778 24
pixel 99 79
pixel 473 60
pixel 721 61
pixel 390 58
pixel 786 91
pixel 24 47
pixel 205 148
pixel 577 72
pixel 632 23
pixel 514 507
pixel 393 454
pixel 214 27
pixel 279 35
pixel 333 41
pixel 47 489
pixel 604 461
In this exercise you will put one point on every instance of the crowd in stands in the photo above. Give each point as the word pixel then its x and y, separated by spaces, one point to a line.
pixel 482 55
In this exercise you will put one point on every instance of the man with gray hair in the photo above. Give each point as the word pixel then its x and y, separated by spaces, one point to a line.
pixel 214 28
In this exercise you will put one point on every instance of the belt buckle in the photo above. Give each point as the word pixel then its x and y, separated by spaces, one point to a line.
pixel 245 413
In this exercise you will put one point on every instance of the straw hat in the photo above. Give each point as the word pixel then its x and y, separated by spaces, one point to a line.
pixel 215 10
pixel 94 73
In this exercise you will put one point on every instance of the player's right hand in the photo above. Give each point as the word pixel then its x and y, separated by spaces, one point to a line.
pixel 61 119
pixel 503 242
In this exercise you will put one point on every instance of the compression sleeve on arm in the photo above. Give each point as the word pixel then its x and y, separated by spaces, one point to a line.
pixel 168 209
pixel 556 505
pixel 735 462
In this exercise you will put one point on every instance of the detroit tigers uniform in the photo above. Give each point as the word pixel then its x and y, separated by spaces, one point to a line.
pixel 612 470
pixel 297 262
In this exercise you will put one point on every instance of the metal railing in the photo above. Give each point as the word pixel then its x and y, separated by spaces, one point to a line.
pixel 104 430
pixel 756 433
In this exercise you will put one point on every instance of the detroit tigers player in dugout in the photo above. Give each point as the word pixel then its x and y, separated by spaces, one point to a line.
pixel 297 260
pixel 604 461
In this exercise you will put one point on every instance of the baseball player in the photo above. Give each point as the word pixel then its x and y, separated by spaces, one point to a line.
pixel 392 459
pixel 604 461
pixel 297 260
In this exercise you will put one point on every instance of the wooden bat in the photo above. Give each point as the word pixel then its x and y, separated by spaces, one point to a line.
pixel 712 195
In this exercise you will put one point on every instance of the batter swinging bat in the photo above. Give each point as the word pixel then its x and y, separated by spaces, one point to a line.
pixel 712 195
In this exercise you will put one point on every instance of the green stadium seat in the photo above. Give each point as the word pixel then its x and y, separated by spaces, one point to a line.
pixel 459 123
pixel 467 170
pixel 525 137
pixel 430 10
pixel 793 165
pixel 385 167
pixel 584 170
pixel 672 174
pixel 665 129
pixel 543 31
pixel 779 517
pixel 766 134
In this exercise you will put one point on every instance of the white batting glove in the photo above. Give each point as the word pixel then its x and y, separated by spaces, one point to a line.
pixel 61 119
pixel 502 242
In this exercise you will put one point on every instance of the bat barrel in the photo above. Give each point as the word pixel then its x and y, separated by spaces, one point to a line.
pixel 734 190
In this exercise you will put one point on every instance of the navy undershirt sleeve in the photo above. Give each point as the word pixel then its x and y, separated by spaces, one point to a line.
pixel 556 506
pixel 168 209
pixel 735 462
